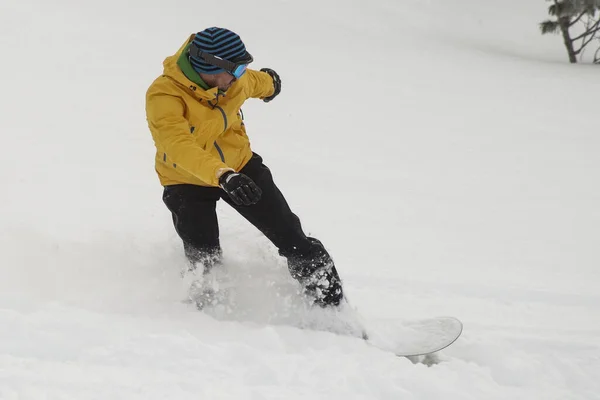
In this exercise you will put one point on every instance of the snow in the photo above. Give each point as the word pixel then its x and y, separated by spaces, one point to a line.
pixel 444 152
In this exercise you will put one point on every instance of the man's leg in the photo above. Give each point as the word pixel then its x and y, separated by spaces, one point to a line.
pixel 308 260
pixel 194 215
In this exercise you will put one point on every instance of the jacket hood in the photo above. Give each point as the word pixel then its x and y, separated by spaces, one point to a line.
pixel 172 70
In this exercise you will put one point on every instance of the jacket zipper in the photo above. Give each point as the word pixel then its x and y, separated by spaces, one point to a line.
pixel 224 117
pixel 224 129
pixel 220 151
pixel 224 123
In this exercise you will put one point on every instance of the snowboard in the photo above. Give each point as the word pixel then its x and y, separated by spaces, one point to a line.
pixel 419 337
pixel 404 338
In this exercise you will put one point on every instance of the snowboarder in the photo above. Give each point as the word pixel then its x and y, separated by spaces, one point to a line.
pixel 203 154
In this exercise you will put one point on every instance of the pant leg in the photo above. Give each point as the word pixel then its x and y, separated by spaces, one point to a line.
pixel 308 261
pixel 193 209
pixel 272 214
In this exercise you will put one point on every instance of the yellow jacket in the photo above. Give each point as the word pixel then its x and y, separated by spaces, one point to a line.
pixel 198 133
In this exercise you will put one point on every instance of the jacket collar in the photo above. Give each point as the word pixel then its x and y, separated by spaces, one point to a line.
pixel 186 67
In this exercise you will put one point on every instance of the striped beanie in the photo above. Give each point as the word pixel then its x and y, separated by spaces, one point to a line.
pixel 219 42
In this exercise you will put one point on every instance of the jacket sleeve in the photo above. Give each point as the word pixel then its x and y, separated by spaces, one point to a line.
pixel 259 84
pixel 171 133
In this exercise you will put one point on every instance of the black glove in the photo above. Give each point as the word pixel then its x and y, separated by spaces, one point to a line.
pixel 240 188
pixel 276 83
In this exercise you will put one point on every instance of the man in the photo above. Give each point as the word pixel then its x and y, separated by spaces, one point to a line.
pixel 203 155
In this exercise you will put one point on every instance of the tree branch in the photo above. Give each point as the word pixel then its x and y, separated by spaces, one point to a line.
pixel 591 31
pixel 576 20
pixel 549 27
pixel 586 42
pixel 589 40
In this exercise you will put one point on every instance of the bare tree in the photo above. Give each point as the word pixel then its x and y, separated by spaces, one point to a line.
pixel 578 21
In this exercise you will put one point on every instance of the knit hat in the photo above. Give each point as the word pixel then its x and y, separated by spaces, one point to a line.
pixel 219 42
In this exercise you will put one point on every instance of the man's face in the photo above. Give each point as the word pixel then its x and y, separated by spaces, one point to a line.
pixel 221 80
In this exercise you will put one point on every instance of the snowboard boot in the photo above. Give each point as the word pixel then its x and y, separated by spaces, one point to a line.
pixel 202 261
pixel 316 272
pixel 202 292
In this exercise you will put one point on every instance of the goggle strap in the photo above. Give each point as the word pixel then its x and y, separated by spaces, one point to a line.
pixel 212 59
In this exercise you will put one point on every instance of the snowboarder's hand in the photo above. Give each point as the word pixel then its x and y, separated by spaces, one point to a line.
pixel 276 83
pixel 241 189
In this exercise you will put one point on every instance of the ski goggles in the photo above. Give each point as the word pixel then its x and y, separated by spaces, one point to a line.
pixel 236 68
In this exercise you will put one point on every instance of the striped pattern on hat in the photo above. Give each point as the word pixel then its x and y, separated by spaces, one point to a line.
pixel 219 42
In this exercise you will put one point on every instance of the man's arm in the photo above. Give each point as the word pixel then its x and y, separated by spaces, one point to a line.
pixel 171 133
pixel 260 84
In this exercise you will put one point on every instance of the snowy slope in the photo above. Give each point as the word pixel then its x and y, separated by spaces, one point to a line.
pixel 444 152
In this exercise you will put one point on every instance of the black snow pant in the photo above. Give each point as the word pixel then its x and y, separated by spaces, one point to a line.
pixel 193 209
